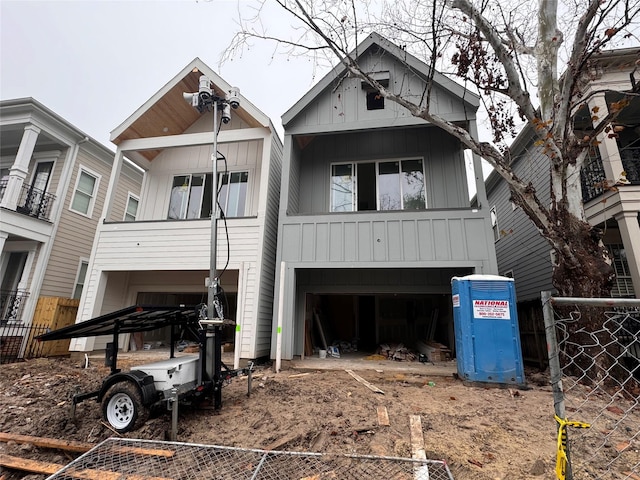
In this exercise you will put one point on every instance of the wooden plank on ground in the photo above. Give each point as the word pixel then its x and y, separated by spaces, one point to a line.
pixel 417 440
pixel 68 445
pixel 420 472
pixel 370 386
pixel 35 466
pixel 283 441
pixel 383 416
pixel 142 451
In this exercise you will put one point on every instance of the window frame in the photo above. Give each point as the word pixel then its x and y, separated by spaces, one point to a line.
pixel 247 195
pixel 131 196
pixel 92 196
pixel 82 261
pixel 376 163
pixel 493 217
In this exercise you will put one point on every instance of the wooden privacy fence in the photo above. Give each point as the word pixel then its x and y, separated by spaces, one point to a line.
pixel 18 339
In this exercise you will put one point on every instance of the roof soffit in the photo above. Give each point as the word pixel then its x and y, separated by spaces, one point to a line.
pixel 167 113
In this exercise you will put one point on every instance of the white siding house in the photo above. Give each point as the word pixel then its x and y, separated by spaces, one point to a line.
pixel 53 184
pixel 375 217
pixel 161 255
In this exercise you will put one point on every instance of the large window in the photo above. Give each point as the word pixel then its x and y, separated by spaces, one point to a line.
pixel 84 195
pixel 233 193
pixel 383 185
pixel 191 195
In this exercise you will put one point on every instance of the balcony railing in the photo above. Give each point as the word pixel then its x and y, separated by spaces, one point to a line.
pixel 593 178
pixel 11 305
pixel 631 163
pixel 35 202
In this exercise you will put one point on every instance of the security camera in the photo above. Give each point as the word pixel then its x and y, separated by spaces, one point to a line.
pixel 205 85
pixel 234 97
pixel 226 113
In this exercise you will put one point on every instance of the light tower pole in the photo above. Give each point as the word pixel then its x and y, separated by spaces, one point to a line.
pixel 211 335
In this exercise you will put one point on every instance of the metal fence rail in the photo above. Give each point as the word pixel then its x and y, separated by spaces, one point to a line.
pixel 128 458
pixel 595 376
pixel 17 341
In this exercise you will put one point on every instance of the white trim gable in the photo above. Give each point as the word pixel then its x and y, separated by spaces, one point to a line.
pixel 198 64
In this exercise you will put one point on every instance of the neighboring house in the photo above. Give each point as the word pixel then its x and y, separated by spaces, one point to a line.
pixel 375 217
pixel 610 189
pixel 162 256
pixel 54 182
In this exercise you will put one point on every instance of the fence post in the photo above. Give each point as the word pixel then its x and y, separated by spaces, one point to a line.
pixel 555 370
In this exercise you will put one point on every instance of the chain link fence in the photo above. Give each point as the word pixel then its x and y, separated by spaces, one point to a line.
pixel 594 362
pixel 119 458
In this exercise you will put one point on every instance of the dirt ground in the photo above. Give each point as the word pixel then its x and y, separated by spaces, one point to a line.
pixel 482 433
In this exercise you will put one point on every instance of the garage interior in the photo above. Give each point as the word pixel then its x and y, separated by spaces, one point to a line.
pixel 361 309
pixel 364 322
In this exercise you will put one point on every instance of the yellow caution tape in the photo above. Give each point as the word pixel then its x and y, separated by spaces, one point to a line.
pixel 561 459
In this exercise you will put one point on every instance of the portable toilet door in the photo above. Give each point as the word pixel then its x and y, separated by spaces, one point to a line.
pixel 486 330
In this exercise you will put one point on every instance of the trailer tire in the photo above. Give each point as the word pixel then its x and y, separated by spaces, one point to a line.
pixel 122 407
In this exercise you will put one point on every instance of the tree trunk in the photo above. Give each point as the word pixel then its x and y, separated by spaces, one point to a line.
pixel 585 272
pixel 583 268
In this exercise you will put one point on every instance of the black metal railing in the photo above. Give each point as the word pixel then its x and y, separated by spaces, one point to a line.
pixel 35 202
pixel 631 163
pixel 18 341
pixel 11 305
pixel 592 176
pixel 3 187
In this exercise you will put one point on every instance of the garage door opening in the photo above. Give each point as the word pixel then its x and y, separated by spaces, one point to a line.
pixel 362 323
pixel 160 338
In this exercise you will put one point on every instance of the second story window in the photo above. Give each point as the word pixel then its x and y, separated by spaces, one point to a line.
pixel 132 208
pixel 383 185
pixel 233 193
pixel 84 195
pixel 494 223
pixel 191 195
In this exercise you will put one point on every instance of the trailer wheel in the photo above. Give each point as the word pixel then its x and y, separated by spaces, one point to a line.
pixel 122 407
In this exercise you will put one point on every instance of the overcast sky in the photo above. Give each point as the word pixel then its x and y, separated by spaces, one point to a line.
pixel 95 62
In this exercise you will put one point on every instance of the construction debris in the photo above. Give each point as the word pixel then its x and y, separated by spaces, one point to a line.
pixel 371 387
pixel 397 352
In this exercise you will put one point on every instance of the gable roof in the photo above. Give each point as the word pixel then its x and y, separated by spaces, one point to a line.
pixel 167 113
pixel 413 63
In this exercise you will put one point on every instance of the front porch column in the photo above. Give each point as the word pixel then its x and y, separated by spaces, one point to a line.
pixel 630 233
pixel 608 146
pixel 20 167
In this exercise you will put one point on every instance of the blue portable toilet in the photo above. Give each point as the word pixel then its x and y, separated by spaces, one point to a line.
pixel 486 330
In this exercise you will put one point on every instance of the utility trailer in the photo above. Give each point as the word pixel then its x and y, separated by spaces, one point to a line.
pixel 127 397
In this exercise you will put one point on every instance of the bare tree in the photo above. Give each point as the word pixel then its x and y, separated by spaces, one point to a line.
pixel 512 56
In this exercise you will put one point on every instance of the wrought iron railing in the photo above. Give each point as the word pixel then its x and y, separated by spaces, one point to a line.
pixel 594 180
pixel 631 163
pixel 18 342
pixel 3 187
pixel 11 305
pixel 35 202
pixel 592 176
